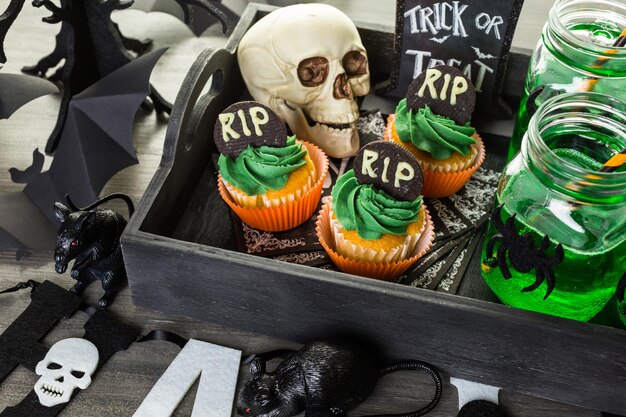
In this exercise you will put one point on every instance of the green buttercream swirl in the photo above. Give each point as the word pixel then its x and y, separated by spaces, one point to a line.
pixel 370 211
pixel 430 132
pixel 257 170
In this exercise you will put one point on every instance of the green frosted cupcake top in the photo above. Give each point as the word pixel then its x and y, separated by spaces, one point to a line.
pixel 432 133
pixel 257 170
pixel 370 211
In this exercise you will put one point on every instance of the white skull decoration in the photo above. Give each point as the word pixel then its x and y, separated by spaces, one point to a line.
pixel 307 63
pixel 68 365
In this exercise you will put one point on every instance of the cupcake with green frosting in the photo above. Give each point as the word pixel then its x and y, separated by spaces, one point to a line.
pixel 437 130
pixel 267 176
pixel 273 182
pixel 370 228
pixel 370 225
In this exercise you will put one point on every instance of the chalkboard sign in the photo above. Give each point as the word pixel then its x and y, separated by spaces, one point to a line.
pixel 474 36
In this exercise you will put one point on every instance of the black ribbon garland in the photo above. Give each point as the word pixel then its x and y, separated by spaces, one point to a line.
pixel 19 344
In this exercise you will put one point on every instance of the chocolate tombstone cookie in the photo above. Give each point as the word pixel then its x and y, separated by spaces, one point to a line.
pixel 248 123
pixel 446 90
pixel 391 168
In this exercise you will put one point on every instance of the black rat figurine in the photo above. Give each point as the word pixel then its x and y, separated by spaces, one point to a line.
pixel 91 236
pixel 323 379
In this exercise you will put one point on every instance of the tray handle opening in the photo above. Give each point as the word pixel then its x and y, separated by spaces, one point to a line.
pixel 186 145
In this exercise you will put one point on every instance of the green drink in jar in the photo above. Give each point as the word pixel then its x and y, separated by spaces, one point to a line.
pixel 581 49
pixel 556 242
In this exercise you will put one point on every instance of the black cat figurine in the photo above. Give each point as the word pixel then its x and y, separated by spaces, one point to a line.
pixel 324 378
pixel 91 236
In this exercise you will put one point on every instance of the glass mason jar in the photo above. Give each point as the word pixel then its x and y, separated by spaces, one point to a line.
pixel 556 242
pixel 576 53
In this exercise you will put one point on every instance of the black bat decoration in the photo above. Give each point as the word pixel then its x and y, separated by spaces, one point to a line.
pixel 16 90
pixel 197 14
pixel 36 232
pixel 23 227
pixel 92 48
pixel 96 144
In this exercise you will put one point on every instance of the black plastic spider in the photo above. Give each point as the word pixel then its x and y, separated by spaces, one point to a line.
pixel 522 253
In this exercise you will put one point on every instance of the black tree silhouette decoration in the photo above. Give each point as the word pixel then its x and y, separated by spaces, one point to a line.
pixel 92 46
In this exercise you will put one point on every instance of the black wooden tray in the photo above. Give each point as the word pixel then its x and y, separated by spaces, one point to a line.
pixel 180 258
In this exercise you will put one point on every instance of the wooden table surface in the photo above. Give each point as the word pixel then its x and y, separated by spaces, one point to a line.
pixel 123 382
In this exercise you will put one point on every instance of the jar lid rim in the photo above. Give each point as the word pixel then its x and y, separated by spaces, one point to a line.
pixel 616 52
pixel 564 169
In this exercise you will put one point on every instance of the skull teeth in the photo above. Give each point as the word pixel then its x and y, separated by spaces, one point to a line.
pixel 51 390
pixel 334 131
pixel 345 122
pixel 339 127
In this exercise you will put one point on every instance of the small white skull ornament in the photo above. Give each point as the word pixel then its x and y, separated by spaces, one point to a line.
pixel 68 365
pixel 307 63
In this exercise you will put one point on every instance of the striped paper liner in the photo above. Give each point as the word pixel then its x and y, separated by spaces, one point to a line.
pixel 439 184
pixel 386 271
pixel 294 211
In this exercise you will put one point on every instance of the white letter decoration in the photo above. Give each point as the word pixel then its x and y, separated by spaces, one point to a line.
pixel 68 365
pixel 217 368
pixel 307 63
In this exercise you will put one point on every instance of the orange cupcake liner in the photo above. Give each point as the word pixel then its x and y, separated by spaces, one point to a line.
pixel 250 201
pixel 438 184
pixel 343 246
pixel 385 271
pixel 289 215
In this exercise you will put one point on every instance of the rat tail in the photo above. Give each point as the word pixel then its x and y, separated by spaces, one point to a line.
pixel 415 366
pixel 112 196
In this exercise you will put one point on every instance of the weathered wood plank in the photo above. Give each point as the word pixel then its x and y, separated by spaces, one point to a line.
pixel 471 339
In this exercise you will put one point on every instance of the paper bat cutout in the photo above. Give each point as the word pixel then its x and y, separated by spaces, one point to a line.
pixel 197 14
pixel 91 46
pixel 439 40
pixel 96 144
pixel 481 55
pixel 16 90
pixel 97 136
pixel 23 227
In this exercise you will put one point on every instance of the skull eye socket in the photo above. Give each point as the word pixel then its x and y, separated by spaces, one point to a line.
pixel 354 63
pixel 53 366
pixel 313 71
pixel 77 374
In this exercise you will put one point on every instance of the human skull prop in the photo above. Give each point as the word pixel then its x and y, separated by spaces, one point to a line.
pixel 307 63
pixel 68 365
